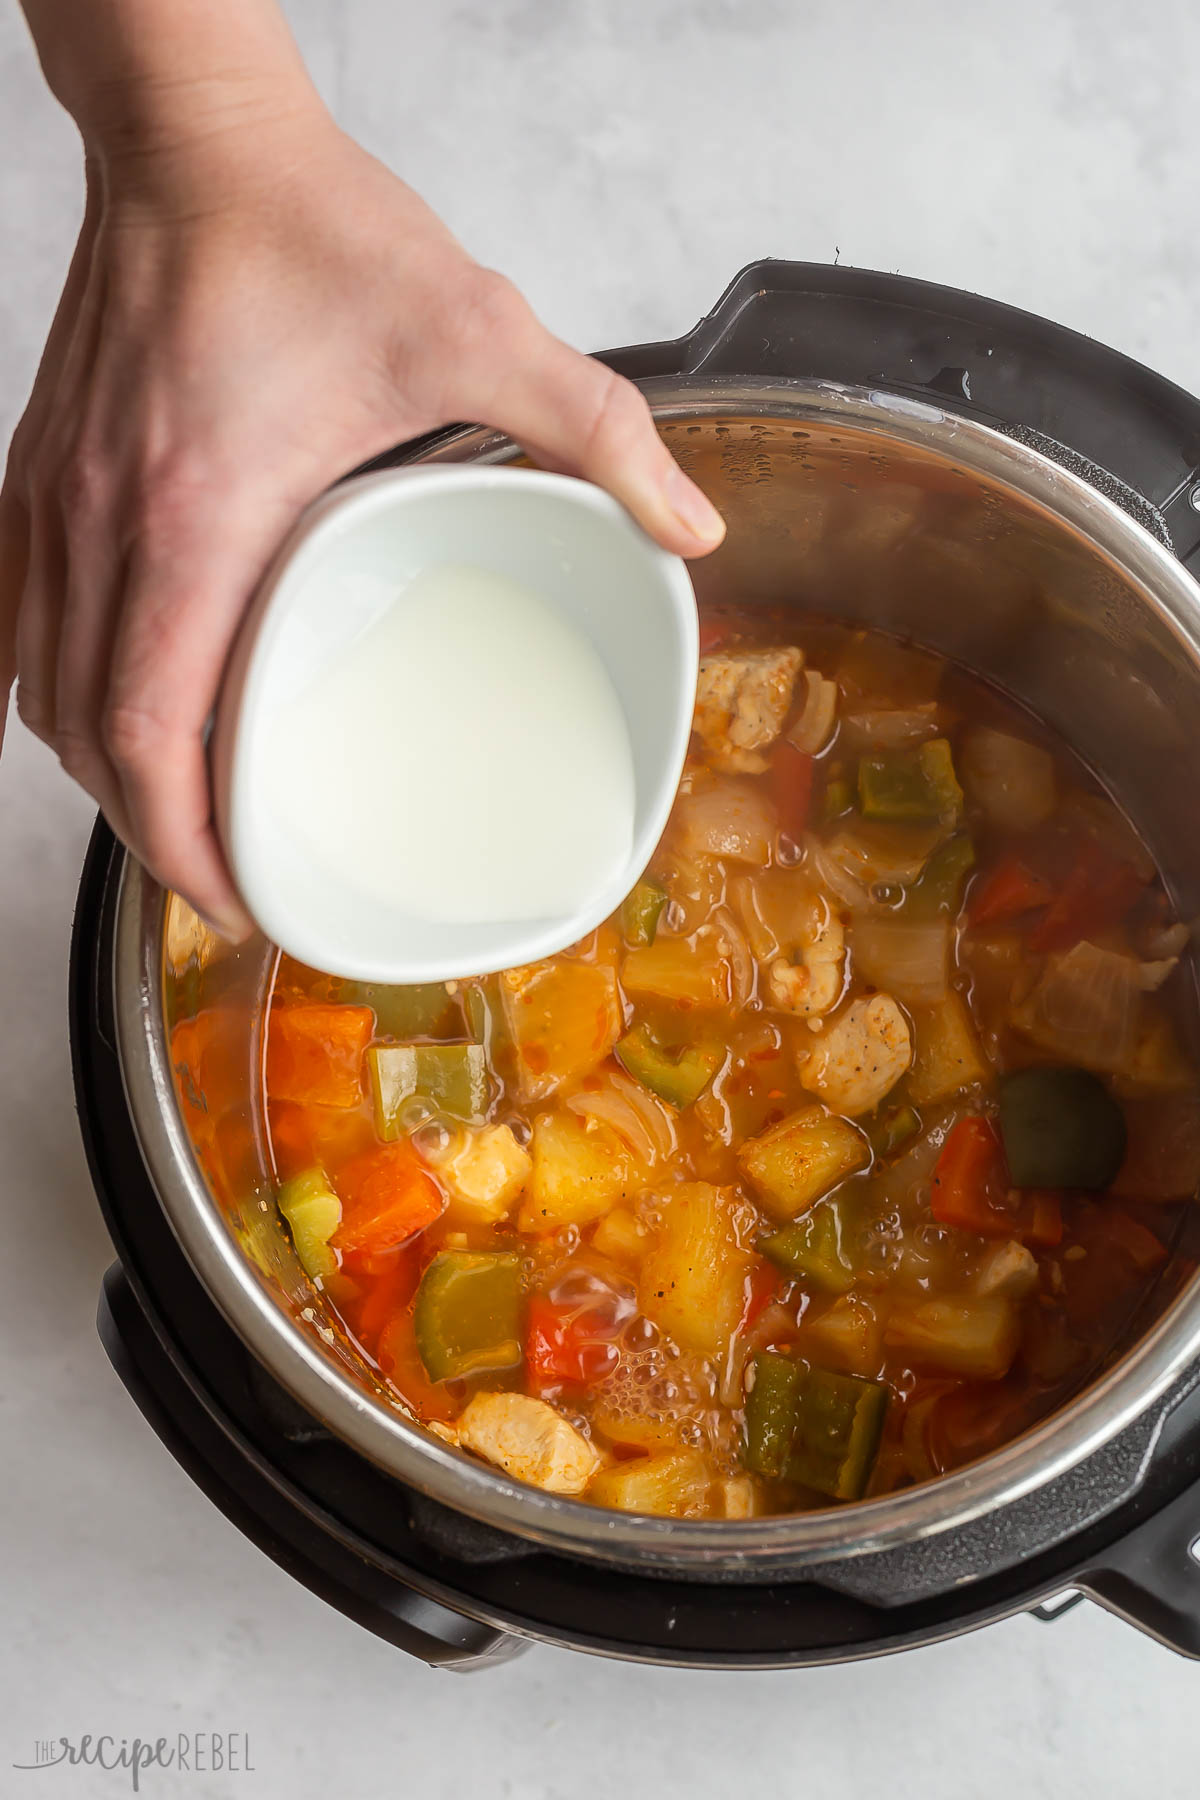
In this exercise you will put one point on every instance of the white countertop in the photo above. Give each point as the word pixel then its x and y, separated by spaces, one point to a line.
pixel 621 161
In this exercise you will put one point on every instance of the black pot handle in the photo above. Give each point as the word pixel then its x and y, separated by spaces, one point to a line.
pixel 372 1597
pixel 1151 1576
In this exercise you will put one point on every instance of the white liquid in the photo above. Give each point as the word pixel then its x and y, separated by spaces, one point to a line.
pixel 464 758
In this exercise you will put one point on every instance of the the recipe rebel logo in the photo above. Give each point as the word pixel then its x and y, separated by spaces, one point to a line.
pixel 186 1753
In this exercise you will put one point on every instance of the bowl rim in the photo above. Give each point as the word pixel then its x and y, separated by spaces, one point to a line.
pixel 333 517
pixel 414 1456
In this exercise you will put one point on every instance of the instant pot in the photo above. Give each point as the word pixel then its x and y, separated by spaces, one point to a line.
pixel 886 451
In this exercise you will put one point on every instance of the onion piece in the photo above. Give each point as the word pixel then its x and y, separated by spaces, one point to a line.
pixel 733 944
pixel 884 854
pixel 634 1113
pixel 727 818
pixel 890 728
pixel 830 876
pixel 908 958
pixel 1086 1007
pixel 818 716
pixel 1011 779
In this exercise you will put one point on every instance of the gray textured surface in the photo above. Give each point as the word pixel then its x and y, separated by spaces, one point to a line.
pixel 620 161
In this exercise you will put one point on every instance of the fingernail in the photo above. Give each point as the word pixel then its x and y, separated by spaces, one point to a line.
pixel 693 509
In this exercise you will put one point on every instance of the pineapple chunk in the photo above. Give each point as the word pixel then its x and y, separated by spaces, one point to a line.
pixel 736 1497
pixel 580 1171
pixel 564 1017
pixel 638 1431
pixel 692 1283
pixel 621 1236
pixel 947 1054
pixel 848 1335
pixel 801 1158
pixel 676 1483
pixel 978 1339
pixel 483 1172
pixel 677 968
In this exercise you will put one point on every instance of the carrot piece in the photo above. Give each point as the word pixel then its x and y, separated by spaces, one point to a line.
pixel 387 1196
pixel 970 1181
pixel 791 783
pixel 400 1361
pixel 314 1053
pixel 1009 890
pixel 1096 895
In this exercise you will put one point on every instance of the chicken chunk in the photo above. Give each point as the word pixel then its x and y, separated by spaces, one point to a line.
pixel 742 701
pixel 1009 1270
pixel 859 1057
pixel 484 1171
pixel 812 985
pixel 528 1440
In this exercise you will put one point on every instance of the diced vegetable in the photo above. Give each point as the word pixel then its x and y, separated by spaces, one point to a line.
pixel 780 911
pixel 1061 1129
pixel 792 776
pixel 937 891
pixel 680 969
pixel 891 1129
pixel 314 1053
pixel 837 799
pixel 908 957
pixel 813 1426
pixel 889 727
pixel 1011 779
pixel 977 1339
pixel 641 911
pixel 313 1212
pixel 451 1079
pixel 915 787
pixel 947 1055
pixel 620 1236
pixel 423 1010
pixel 972 1190
pixel 811 1250
pixel 736 1497
pixel 580 1170
pixel 1086 1008
pixel 1006 892
pixel 804 1156
pixel 675 1483
pixel 563 1017
pixel 815 723
pixel 1097 894
pixel 727 818
pixel 562 1345
pixel 483 1171
pixel 468 1314
pixel 692 1280
pixel 848 1336
pixel 677 1076
pixel 1008 1269
pixel 871 855
pixel 387 1197
pixel 643 1122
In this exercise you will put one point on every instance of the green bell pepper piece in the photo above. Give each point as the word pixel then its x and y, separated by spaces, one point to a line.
pixel 467 1317
pixel 889 1130
pixel 838 1428
pixel 770 1419
pixel 640 912
pixel 910 787
pixel 451 1077
pixel 938 888
pixel 1061 1129
pixel 424 1010
pixel 313 1212
pixel 676 1076
pixel 837 799
pixel 811 1250
pixel 812 1426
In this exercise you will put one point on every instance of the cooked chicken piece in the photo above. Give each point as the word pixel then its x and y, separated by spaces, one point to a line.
pixel 529 1441
pixel 813 984
pixel 484 1171
pixel 742 701
pixel 1009 1269
pixel 859 1057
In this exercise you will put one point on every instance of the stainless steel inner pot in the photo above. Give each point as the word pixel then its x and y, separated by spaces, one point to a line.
pixel 860 506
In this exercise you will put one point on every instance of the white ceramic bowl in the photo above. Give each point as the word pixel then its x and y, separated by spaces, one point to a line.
pixel 347 558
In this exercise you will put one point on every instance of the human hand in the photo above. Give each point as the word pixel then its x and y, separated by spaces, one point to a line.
pixel 254 307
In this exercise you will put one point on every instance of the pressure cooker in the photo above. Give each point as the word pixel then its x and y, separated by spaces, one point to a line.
pixel 962 474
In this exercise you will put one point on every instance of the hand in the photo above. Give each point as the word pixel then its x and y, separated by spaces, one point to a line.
pixel 251 311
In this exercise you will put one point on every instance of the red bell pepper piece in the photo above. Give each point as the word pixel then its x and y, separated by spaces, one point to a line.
pixel 315 1053
pixel 1097 894
pixel 389 1291
pixel 763 1285
pixel 564 1343
pixel 387 1196
pixel 791 781
pixel 972 1192
pixel 1009 890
